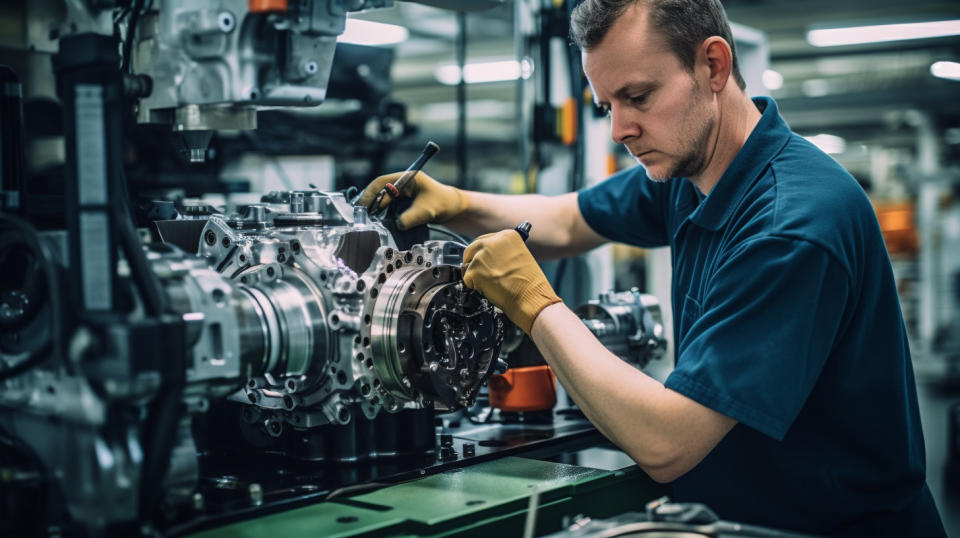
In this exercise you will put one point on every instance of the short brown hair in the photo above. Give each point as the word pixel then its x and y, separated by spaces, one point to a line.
pixel 685 23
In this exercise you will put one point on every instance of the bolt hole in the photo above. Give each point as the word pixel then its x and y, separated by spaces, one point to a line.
pixel 419 260
pixel 291 384
pixel 408 257
pixel 436 272
pixel 366 319
pixel 323 276
pixel 374 293
pixel 369 363
pixel 366 342
pixel 361 285
pixel 225 242
pixel 243 258
pixel 334 319
pixel 382 278
pixel 288 402
pixel 341 377
pixel 388 254
pixel 271 271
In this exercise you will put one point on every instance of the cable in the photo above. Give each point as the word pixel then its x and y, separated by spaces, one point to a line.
pixel 154 297
pixel 136 7
pixel 449 233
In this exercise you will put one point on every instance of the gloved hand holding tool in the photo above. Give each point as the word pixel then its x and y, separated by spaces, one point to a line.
pixel 499 266
pixel 432 201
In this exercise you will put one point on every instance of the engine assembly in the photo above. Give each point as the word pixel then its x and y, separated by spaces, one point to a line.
pixel 628 323
pixel 305 314
pixel 351 323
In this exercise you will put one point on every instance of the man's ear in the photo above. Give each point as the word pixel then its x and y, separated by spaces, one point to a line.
pixel 718 58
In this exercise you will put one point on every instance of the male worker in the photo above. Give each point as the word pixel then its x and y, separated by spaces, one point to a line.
pixel 793 402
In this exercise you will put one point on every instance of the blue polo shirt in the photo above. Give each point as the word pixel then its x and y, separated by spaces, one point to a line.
pixel 787 320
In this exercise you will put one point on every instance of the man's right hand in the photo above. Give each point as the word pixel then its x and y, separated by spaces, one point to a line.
pixel 432 201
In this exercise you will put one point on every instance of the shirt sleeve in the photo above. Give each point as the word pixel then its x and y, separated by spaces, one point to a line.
pixel 628 208
pixel 769 318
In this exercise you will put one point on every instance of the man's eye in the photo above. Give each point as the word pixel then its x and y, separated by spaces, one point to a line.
pixel 639 99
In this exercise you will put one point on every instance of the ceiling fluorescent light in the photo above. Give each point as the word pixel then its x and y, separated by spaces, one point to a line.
pixel 947 70
pixel 772 80
pixel 828 143
pixel 362 32
pixel 498 71
pixel 878 33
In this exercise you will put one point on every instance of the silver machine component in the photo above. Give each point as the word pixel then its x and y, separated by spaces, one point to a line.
pixel 628 323
pixel 350 323
pixel 302 311
pixel 213 64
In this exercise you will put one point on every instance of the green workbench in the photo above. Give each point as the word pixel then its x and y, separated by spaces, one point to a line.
pixel 487 499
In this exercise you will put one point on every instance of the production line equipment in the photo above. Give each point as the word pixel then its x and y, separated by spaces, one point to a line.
pixel 219 366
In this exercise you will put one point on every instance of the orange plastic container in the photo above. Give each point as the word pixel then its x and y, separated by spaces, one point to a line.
pixel 531 388
pixel 264 6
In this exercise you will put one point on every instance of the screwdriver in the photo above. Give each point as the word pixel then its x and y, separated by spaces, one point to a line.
pixel 393 189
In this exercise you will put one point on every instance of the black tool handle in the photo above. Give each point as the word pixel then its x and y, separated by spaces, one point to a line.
pixel 524 229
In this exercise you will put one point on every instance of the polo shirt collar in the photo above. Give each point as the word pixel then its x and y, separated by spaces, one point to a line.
pixel 764 143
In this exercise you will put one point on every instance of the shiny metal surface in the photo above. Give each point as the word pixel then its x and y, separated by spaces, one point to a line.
pixel 628 323
pixel 349 323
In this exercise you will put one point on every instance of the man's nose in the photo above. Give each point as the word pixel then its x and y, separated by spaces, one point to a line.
pixel 622 126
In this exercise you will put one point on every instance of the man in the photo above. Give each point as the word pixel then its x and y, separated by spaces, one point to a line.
pixel 793 401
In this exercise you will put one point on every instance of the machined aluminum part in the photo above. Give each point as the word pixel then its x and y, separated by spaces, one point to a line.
pixel 429 339
pixel 628 323
pixel 223 323
pixel 214 62
pixel 347 323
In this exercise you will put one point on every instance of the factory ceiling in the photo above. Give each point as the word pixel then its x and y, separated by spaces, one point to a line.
pixel 865 93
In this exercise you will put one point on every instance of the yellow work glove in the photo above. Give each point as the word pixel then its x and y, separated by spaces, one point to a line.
pixel 499 266
pixel 432 201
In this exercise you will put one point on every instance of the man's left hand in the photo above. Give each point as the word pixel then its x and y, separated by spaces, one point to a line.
pixel 499 266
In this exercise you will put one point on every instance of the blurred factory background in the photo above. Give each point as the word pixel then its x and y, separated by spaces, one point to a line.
pixel 886 106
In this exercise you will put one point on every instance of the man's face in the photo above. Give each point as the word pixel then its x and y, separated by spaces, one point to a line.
pixel 657 109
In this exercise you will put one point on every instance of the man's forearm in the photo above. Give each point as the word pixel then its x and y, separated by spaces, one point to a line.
pixel 558 230
pixel 662 430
